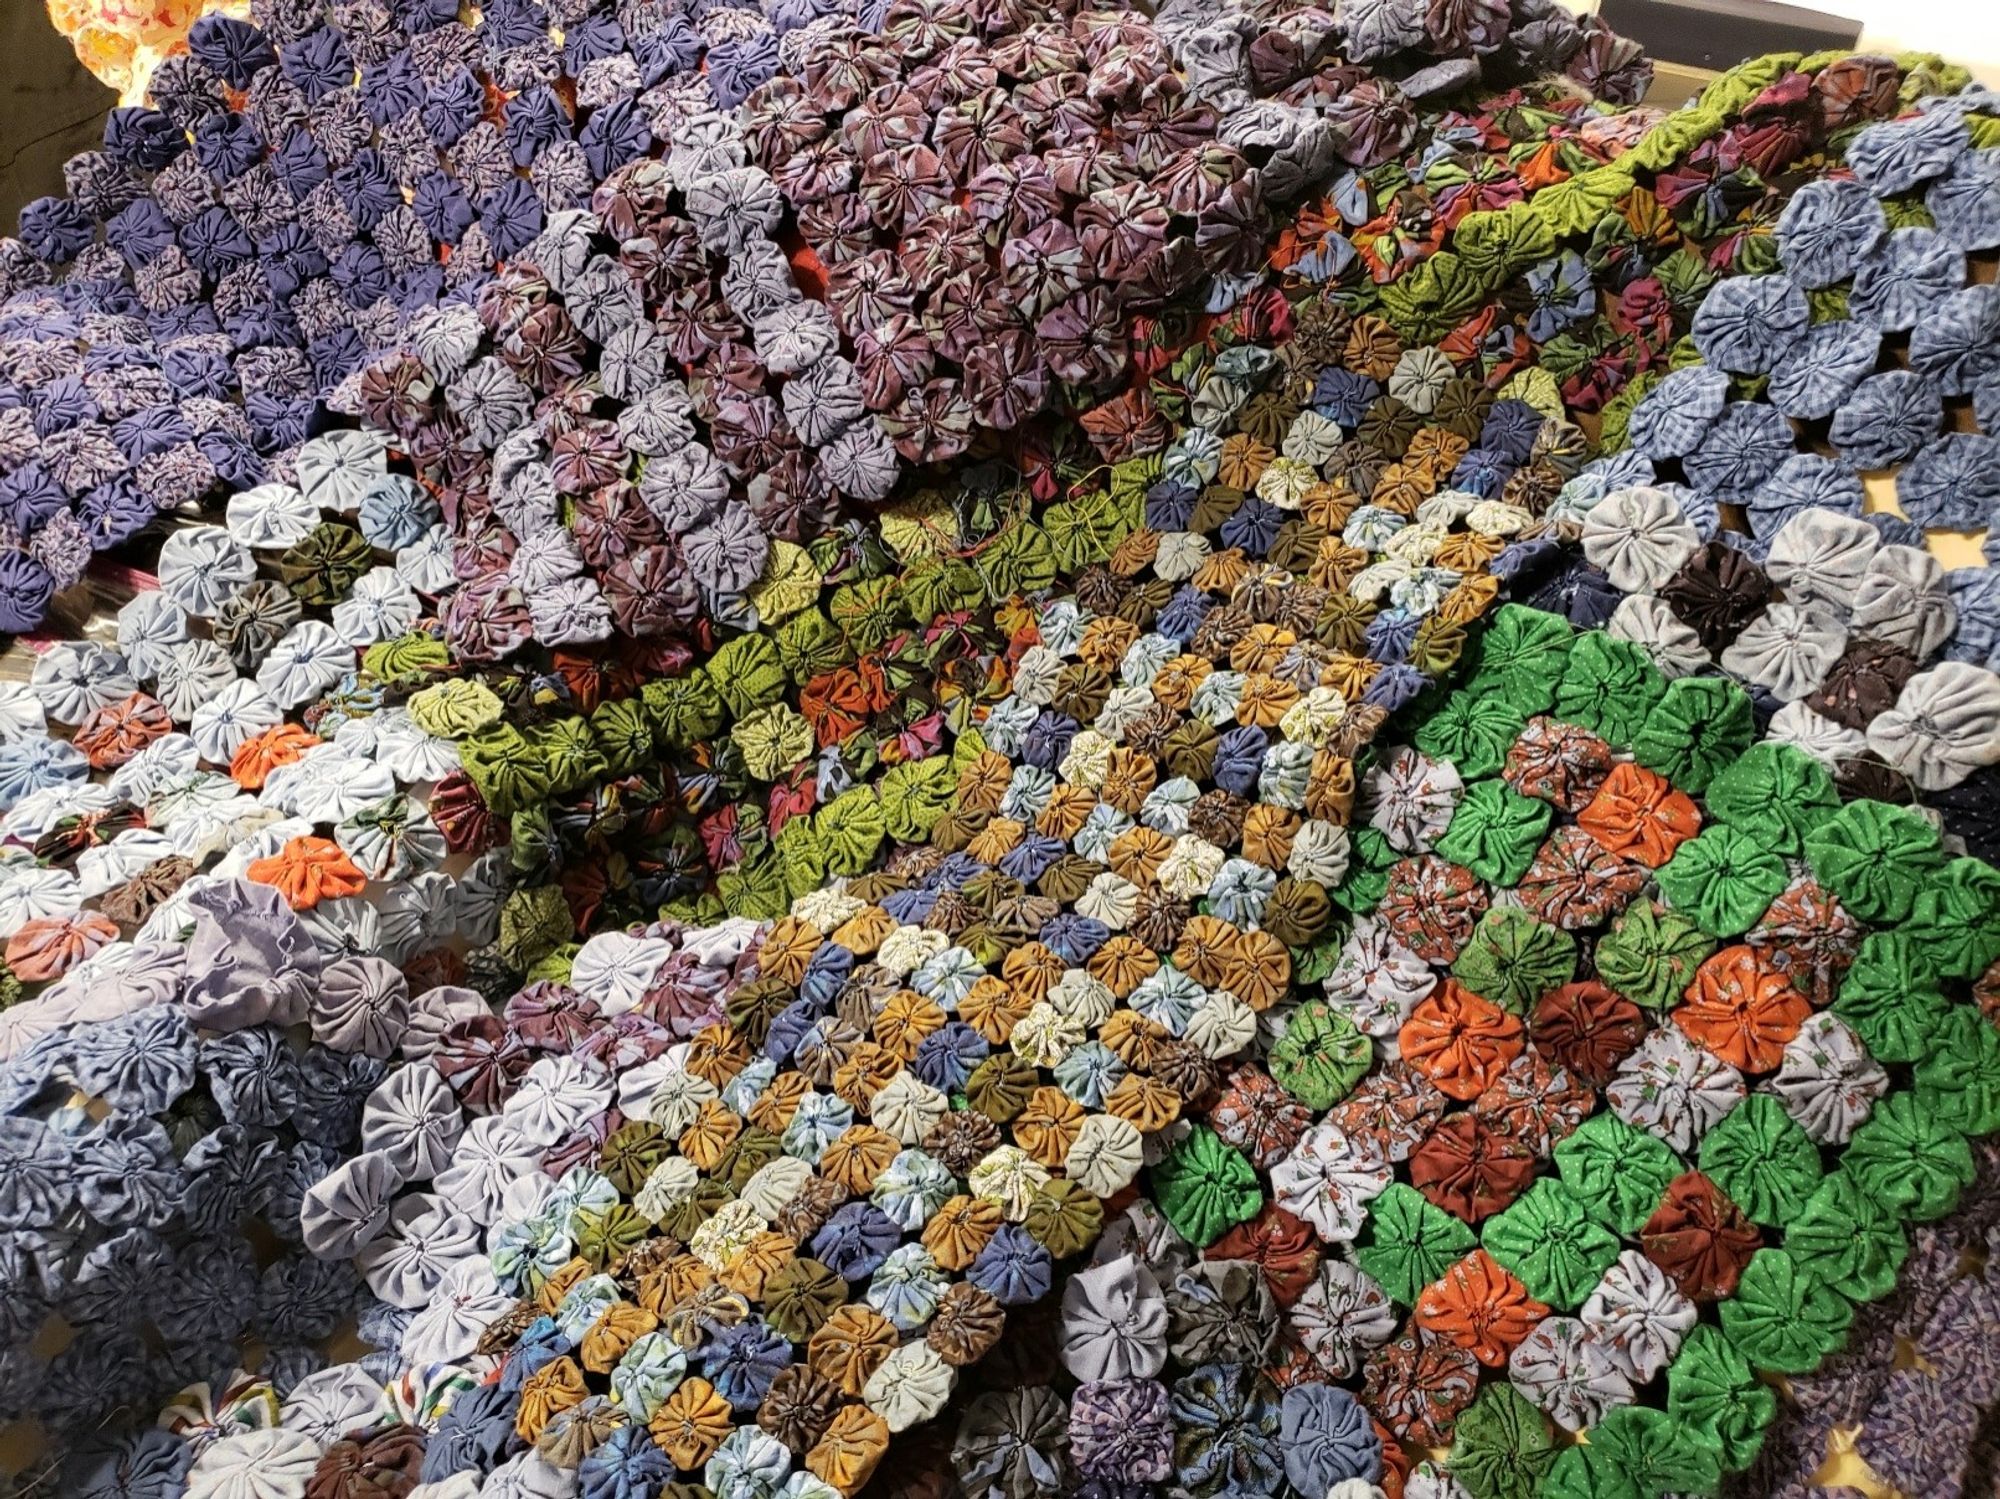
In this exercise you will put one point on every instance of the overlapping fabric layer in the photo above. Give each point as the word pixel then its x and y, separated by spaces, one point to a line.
pixel 1039 751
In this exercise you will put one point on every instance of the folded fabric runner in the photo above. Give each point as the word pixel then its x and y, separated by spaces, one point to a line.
pixel 1025 750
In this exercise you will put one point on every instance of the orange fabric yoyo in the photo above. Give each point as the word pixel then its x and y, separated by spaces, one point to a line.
pixel 1460 1041
pixel 47 947
pixel 114 733
pixel 855 1442
pixel 256 757
pixel 1637 813
pixel 1741 1011
pixel 1481 1306
pixel 308 870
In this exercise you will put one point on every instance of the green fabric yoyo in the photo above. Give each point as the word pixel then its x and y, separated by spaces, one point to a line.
pixel 809 645
pixel 1411 1242
pixel 800 1295
pixel 1617 1172
pixel 533 921
pixel 1204 1187
pixel 1762 1159
pixel 1609 687
pixel 1650 956
pixel 751 1008
pixel 630 1154
pixel 1297 915
pixel 1910 1158
pixel 1498 243
pixel 866 611
pixel 748 674
pixel 1548 1240
pixel 1890 996
pixel 1615 419
pixel 1580 203
pixel 707 1199
pixel 1686 279
pixel 1312 964
pixel 604 1236
pixel 1775 795
pixel 410 657
pixel 851 827
pixel 915 795
pixel 532 844
pixel 1474 732
pixel 456 709
pixel 1712 1391
pixel 1019 560
pixel 685 709
pixel 1588 1473
pixel 1724 879
pixel 1321 1056
pixel 323 567
pixel 623 735
pixel 772 740
pixel 1512 959
pixel 754 886
pixel 1697 728
pixel 1781 1318
pixel 1829 304
pixel 1875 858
pixel 801 856
pixel 790 585
pixel 1085 531
pixel 509 771
pixel 1342 625
pixel 1660 1451
pixel 1522 657
pixel 555 965
pixel 1501 1447
pixel 1064 1218
pixel 1367 878
pixel 1435 295
pixel 1495 831
pixel 1000 1086
pixel 1436 647
pixel 1956 918
pixel 702 908
pixel 750 1152
pixel 1190 750
pixel 568 751
pixel 1847 1240
pixel 1959 1082
pixel 1524 238
pixel 1907 213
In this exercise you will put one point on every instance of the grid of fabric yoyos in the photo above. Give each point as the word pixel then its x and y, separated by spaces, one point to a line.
pixel 800 752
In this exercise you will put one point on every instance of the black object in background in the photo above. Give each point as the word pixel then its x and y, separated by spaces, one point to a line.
pixel 1718 34
pixel 50 107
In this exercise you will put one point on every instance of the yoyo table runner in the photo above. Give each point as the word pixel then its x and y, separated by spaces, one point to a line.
pixel 1185 623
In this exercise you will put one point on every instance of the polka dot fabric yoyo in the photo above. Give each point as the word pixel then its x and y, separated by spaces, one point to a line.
pixel 1641 1062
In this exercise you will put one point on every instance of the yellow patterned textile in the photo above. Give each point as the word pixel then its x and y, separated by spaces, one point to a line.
pixel 122 41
